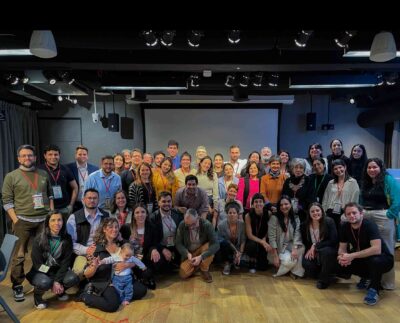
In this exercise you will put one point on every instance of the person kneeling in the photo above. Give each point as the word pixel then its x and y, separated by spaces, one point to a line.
pixel 197 243
pixel 369 257
pixel 122 280
pixel 51 257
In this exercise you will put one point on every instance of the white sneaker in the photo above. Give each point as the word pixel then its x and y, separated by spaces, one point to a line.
pixel 227 269
pixel 252 271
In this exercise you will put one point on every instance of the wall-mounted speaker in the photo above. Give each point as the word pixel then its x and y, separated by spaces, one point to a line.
pixel 126 128
pixel 311 121
pixel 113 122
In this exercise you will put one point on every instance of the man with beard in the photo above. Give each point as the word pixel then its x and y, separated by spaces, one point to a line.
pixel 166 220
pixel 106 182
pixel 62 181
pixel 81 170
pixel 27 198
pixel 82 226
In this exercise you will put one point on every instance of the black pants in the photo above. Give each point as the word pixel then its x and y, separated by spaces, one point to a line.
pixel 335 217
pixel 371 268
pixel 227 254
pixel 323 266
pixel 257 251
pixel 164 266
pixel 43 282
pixel 109 301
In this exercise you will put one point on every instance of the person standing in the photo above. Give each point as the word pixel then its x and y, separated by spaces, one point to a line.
pixel 81 170
pixel 27 198
pixel 172 149
pixel 61 180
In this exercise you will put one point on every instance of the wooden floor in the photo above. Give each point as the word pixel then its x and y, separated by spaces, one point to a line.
pixel 240 297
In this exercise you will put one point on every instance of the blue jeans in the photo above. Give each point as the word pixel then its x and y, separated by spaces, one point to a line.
pixel 124 286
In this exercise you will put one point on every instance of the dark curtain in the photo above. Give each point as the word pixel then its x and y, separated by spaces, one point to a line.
pixel 19 127
pixel 396 145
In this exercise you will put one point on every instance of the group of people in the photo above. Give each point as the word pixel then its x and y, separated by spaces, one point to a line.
pixel 111 230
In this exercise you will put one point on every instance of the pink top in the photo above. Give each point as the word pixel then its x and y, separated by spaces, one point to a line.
pixel 253 189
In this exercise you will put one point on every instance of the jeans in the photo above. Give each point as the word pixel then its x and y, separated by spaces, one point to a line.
pixel 123 284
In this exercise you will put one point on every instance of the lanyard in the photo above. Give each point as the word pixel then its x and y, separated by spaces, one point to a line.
pixel 105 184
pixel 149 190
pixel 54 247
pixel 170 225
pixel 122 217
pixel 340 190
pixel 315 184
pixel 358 236
pixel 51 173
pixel 33 184
pixel 84 176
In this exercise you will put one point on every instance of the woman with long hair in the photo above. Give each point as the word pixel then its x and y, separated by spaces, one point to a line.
pixel 341 190
pixel 119 163
pixel 285 240
pixel 358 159
pixel 249 185
pixel 219 164
pixel 320 238
pixel 120 209
pixel 51 258
pixel 208 180
pixel 257 246
pixel 100 293
pixel 254 156
pixel 285 162
pixel 380 197
pixel 165 179
pixel 319 178
pixel 185 169
pixel 226 180
pixel 336 146
pixel 314 152
pixel 142 189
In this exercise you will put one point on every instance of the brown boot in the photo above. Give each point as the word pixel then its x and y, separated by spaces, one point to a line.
pixel 206 276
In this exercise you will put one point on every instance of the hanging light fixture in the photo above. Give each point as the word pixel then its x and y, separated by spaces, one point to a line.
pixel 167 38
pixel 383 47
pixel 244 80
pixel 344 40
pixel 230 81
pixel 150 38
pixel 258 78
pixel 302 39
pixel 234 36
pixel 42 44
pixel 195 37
pixel 194 80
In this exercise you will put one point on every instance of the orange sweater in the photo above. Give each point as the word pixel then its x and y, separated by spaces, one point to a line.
pixel 161 183
pixel 271 188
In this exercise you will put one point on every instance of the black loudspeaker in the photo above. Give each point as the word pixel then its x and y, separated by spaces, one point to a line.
pixel 113 122
pixel 126 128
pixel 311 121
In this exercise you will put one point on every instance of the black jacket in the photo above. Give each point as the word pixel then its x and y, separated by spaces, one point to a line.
pixel 330 238
pixel 158 227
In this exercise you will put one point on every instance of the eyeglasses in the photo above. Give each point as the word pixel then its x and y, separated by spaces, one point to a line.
pixel 26 156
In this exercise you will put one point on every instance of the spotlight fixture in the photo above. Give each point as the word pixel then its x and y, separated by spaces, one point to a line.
pixel 150 38
pixel 67 78
pixel 12 79
pixel 51 77
pixel 344 40
pixel 258 78
pixel 195 37
pixel 273 80
pixel 194 80
pixel 137 95
pixel 230 81
pixel 380 79
pixel 391 78
pixel 60 98
pixel 240 95
pixel 302 39
pixel 42 44
pixel 167 38
pixel 352 100
pixel 383 48
pixel 234 36
pixel 244 80
pixel 24 79
pixel 70 99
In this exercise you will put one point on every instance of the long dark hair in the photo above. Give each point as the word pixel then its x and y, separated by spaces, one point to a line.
pixel 380 179
pixel 316 145
pixel 133 222
pixel 45 234
pixel 114 205
pixel 210 171
pixel 281 217
pixel 341 143
pixel 364 156
pixel 99 236
pixel 322 222
pixel 340 162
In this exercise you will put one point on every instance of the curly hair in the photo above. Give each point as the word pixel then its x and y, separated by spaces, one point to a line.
pixel 99 236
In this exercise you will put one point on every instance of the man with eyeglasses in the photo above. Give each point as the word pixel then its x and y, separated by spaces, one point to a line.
pixel 197 243
pixel 27 198
pixel 82 226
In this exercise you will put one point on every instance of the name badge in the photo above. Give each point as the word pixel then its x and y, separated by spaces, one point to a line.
pixel 57 192
pixel 107 203
pixel 337 208
pixel 44 268
pixel 295 204
pixel 170 241
pixel 38 201
pixel 81 190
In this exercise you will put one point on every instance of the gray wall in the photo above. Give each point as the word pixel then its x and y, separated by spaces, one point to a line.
pixel 295 138
pixel 99 140
pixel 293 135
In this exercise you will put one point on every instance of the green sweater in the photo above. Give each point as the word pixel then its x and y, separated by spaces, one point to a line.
pixel 17 192
pixel 207 234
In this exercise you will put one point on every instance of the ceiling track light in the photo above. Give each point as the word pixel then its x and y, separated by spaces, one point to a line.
pixel 60 98
pixel 66 77
pixel 195 38
pixel 302 39
pixel 380 79
pixel 352 100
pixel 12 79
pixel 167 38
pixel 391 78
pixel 230 81
pixel 258 78
pixel 273 80
pixel 244 80
pixel 343 41
pixel 51 77
pixel 194 80
pixel 234 36
pixel 150 38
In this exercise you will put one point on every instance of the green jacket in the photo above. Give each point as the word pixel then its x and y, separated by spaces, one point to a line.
pixel 206 234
